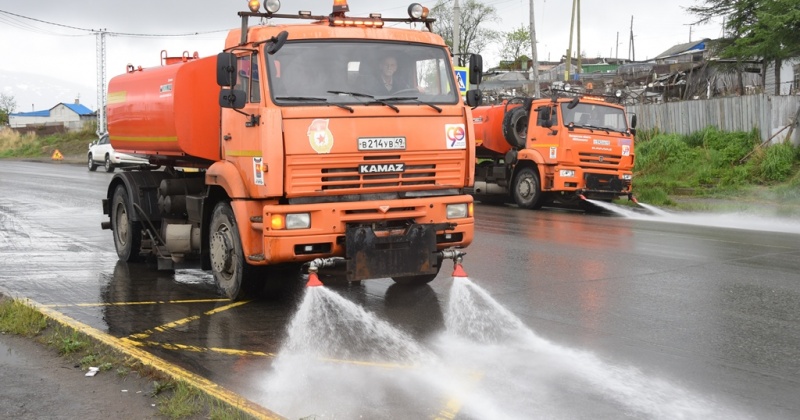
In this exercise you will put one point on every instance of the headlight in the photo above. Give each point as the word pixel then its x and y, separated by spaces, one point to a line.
pixel 298 221
pixel 272 6
pixel 457 211
pixel 567 173
pixel 290 221
pixel 627 177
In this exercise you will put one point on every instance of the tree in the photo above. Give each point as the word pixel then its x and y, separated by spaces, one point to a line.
pixel 473 37
pixel 7 106
pixel 766 29
pixel 515 43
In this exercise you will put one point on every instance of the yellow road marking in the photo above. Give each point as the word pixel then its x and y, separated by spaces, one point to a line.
pixel 162 328
pixel 453 405
pixel 124 345
pixel 154 302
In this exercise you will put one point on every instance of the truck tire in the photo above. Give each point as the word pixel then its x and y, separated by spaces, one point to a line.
pixel 92 165
pixel 515 127
pixel 233 276
pixel 527 190
pixel 127 233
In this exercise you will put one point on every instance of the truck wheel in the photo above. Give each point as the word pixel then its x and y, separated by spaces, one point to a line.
pixel 515 127
pixel 92 165
pixel 527 190
pixel 127 233
pixel 231 273
pixel 108 165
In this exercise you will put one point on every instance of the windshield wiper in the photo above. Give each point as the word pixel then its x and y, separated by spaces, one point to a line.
pixel 364 95
pixel 412 98
pixel 313 99
pixel 591 127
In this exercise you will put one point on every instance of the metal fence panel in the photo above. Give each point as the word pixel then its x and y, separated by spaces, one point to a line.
pixel 770 115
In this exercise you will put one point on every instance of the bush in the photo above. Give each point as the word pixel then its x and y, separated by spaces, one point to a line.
pixel 777 162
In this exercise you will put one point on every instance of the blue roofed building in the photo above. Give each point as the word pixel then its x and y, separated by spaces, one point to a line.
pixel 71 117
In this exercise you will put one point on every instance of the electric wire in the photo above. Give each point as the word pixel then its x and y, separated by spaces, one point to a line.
pixel 28 27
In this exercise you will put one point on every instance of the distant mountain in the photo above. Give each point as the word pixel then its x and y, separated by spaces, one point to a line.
pixel 33 92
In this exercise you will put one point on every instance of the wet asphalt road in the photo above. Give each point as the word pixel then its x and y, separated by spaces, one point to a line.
pixel 584 315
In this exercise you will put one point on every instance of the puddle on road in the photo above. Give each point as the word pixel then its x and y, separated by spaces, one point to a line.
pixel 339 361
pixel 749 221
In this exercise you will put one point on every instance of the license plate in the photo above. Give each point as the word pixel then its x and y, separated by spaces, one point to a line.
pixel 382 143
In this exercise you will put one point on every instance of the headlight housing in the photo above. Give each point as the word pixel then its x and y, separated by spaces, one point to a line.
pixel 567 173
pixel 457 211
pixel 290 221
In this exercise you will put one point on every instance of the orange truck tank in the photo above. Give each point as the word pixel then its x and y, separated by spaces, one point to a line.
pixel 160 112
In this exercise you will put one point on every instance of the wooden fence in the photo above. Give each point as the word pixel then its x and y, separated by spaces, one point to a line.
pixel 772 116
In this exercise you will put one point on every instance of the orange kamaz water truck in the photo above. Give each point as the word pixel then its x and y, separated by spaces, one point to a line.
pixel 283 150
pixel 560 150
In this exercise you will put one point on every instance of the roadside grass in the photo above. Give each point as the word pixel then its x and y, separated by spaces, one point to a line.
pixel 174 399
pixel 31 145
pixel 715 165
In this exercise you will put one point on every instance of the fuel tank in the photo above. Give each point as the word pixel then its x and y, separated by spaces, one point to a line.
pixel 171 110
pixel 488 122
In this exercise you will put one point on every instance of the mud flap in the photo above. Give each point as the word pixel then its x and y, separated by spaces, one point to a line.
pixel 410 252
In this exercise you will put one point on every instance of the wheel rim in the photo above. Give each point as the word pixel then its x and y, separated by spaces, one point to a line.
pixel 221 252
pixel 90 161
pixel 108 163
pixel 525 189
pixel 122 224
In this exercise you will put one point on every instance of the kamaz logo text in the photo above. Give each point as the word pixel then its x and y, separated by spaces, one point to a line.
pixel 381 168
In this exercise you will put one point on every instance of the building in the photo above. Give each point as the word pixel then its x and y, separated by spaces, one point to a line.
pixel 70 117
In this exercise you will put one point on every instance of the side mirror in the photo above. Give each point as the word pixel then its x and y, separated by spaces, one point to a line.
pixel 544 116
pixel 277 42
pixel 226 69
pixel 475 69
pixel 474 98
pixel 633 121
pixel 229 98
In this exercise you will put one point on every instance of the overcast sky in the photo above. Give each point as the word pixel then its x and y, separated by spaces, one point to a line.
pixel 40 49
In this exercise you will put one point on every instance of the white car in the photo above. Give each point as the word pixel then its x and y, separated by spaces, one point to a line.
pixel 101 153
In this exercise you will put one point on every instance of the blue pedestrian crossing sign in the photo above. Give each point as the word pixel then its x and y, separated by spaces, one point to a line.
pixel 461 79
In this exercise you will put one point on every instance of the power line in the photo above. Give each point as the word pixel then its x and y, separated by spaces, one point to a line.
pixel 22 25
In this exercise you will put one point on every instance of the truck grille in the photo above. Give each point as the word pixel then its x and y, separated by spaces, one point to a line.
pixel 599 159
pixel 338 174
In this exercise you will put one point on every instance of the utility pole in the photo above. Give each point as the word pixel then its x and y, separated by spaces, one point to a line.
pixel 457 33
pixel 534 57
pixel 580 68
pixel 631 48
pixel 101 82
pixel 569 49
pixel 616 52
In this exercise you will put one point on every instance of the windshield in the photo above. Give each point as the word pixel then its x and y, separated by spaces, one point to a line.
pixel 353 72
pixel 594 116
